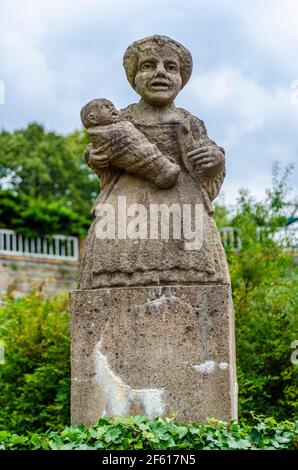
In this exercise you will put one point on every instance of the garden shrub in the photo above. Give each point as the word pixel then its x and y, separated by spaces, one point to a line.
pixel 139 432
pixel 265 294
pixel 35 376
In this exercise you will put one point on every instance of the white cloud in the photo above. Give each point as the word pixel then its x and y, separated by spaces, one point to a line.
pixel 274 25
pixel 248 105
pixel 226 90
pixel 57 54
pixel 255 123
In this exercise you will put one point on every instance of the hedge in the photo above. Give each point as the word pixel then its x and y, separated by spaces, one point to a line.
pixel 139 432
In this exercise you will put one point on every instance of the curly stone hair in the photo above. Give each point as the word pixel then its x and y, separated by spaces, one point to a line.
pixel 131 56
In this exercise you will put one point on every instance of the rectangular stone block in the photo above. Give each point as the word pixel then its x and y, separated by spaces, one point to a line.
pixel 157 351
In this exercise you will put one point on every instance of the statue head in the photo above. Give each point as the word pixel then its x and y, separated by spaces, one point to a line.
pixel 157 67
pixel 99 112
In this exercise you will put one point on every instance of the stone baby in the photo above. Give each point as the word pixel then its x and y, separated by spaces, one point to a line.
pixel 126 147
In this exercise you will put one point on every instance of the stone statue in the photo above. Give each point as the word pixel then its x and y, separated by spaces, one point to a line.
pixel 152 318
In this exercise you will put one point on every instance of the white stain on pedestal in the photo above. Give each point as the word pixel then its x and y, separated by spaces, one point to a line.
pixel 120 396
pixel 155 304
pixel 223 365
pixel 206 367
pixel 209 366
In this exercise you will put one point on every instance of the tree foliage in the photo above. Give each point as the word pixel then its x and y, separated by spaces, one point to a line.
pixel 265 292
pixel 33 217
pixel 44 168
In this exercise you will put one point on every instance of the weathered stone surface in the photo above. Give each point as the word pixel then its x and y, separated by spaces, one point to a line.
pixel 164 67
pixel 154 351
pixel 152 322
pixel 129 148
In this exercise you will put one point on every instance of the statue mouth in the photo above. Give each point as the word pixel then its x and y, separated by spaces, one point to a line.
pixel 159 85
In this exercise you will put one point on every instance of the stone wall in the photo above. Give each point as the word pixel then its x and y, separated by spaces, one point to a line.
pixel 19 275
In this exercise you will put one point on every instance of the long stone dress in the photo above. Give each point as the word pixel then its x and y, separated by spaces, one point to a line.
pixel 150 262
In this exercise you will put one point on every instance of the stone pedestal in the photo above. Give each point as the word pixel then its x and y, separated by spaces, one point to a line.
pixel 157 351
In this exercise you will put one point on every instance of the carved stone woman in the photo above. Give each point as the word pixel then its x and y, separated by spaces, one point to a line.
pixel 152 322
pixel 157 68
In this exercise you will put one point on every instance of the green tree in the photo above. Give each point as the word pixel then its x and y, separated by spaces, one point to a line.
pixel 265 292
pixel 48 166
pixel 35 217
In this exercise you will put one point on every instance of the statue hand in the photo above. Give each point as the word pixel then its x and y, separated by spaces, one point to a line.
pixel 206 158
pixel 98 157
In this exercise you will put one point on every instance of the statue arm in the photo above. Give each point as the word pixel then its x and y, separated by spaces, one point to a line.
pixel 128 149
pixel 108 145
pixel 105 146
pixel 208 159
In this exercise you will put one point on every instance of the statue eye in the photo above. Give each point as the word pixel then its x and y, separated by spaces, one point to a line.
pixel 147 66
pixel 171 67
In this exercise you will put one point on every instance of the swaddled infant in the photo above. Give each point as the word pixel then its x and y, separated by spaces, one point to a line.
pixel 128 148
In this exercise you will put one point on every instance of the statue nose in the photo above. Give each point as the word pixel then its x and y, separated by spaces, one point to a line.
pixel 160 70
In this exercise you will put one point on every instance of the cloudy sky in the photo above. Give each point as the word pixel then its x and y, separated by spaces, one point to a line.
pixel 57 54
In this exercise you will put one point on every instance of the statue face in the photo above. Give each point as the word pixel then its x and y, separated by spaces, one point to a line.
pixel 158 78
pixel 104 114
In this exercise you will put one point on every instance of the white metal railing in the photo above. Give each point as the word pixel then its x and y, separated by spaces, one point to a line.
pixel 287 237
pixel 230 238
pixel 55 247
pixel 67 248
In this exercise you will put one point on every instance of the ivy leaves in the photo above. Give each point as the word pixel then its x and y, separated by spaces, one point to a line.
pixel 139 432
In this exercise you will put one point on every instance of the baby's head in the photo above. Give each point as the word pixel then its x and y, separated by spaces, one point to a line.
pixel 99 112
